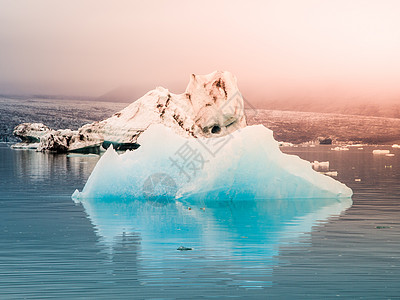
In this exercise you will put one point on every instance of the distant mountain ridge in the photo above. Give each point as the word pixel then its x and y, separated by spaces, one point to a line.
pixel 126 94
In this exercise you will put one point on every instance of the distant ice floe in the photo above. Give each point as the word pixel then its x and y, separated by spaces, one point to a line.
pixel 340 148
pixel 380 152
pixel 320 165
pixel 383 152
pixel 285 144
pixel 355 145
pixel 331 173
pixel 25 146
pixel 395 146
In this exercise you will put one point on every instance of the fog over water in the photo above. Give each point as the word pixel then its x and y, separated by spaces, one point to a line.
pixel 279 50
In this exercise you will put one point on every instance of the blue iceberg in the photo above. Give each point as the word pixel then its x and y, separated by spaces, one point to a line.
pixel 245 164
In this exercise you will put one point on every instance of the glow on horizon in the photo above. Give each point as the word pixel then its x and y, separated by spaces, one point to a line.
pixel 276 49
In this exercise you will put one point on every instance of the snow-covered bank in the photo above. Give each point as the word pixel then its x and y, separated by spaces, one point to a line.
pixel 247 163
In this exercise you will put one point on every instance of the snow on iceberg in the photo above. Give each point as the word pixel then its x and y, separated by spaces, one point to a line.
pixel 246 163
pixel 211 106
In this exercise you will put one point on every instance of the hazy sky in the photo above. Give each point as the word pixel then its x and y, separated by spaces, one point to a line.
pixel 275 48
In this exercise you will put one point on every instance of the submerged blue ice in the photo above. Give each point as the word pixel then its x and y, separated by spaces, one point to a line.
pixel 247 164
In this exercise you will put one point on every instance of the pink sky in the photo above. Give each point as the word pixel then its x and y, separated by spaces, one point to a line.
pixel 285 48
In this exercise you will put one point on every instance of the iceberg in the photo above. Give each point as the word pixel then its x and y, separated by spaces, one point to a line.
pixel 211 106
pixel 217 186
pixel 245 164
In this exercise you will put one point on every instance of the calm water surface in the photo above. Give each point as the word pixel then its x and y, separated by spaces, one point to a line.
pixel 51 247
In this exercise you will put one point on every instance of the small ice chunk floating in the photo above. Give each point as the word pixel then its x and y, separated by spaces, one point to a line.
pixel 320 165
pixel 380 152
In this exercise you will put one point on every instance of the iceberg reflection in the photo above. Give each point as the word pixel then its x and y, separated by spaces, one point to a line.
pixel 239 238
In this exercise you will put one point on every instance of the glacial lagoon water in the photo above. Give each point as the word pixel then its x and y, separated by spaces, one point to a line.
pixel 51 247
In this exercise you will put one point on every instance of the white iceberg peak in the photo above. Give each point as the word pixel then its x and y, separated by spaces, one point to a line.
pixel 211 106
